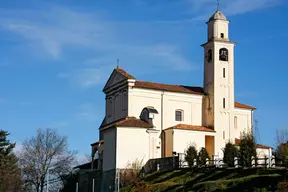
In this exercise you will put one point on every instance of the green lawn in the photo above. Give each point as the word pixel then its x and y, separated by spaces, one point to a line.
pixel 252 179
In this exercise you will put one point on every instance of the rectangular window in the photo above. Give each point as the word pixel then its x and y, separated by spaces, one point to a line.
pixel 222 35
pixel 224 73
pixel 223 134
pixel 235 122
pixel 178 115
pixel 224 104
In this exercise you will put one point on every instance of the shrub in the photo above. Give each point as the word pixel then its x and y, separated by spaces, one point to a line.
pixel 282 186
pixel 190 155
pixel 247 149
pixel 131 172
pixel 202 156
pixel 230 152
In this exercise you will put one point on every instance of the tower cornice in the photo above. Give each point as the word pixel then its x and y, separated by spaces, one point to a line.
pixel 218 41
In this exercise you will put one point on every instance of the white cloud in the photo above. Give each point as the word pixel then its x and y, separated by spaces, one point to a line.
pixel 53 29
pixel 57 29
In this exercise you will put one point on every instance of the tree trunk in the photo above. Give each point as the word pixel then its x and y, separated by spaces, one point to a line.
pixel 42 186
pixel 37 187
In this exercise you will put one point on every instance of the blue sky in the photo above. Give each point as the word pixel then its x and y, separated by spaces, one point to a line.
pixel 56 56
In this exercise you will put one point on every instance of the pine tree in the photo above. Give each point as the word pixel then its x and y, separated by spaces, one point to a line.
pixel 230 152
pixel 247 149
pixel 203 156
pixel 190 155
pixel 9 170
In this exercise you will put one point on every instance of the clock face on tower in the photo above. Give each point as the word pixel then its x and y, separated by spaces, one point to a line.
pixel 209 55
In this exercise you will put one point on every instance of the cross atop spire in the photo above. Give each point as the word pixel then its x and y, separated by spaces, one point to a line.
pixel 218 4
pixel 117 64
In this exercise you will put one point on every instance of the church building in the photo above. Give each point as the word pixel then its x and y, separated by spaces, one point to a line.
pixel 146 120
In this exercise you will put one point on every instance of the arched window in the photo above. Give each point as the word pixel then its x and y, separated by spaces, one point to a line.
pixel 179 115
pixel 223 54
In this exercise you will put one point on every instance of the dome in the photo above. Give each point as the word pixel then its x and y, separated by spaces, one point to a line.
pixel 218 15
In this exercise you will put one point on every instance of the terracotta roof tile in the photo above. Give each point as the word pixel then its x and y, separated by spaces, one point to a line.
pixel 240 105
pixel 128 122
pixel 237 142
pixel 123 72
pixel 167 87
pixel 191 127
pixel 133 122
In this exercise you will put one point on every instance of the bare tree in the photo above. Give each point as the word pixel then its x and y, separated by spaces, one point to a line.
pixel 281 136
pixel 282 143
pixel 45 154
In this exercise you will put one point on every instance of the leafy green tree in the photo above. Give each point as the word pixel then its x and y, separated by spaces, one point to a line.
pixel 247 149
pixel 190 155
pixel 10 178
pixel 230 152
pixel 202 156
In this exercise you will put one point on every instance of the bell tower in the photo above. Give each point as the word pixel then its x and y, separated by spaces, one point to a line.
pixel 218 107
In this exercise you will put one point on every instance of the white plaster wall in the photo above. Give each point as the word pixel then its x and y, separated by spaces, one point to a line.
pixel 261 153
pixel 244 122
pixel 141 98
pixel 109 158
pixel 221 26
pixel 215 28
pixel 183 139
pixel 190 104
pixel 135 143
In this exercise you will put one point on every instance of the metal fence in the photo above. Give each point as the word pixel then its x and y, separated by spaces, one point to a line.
pixel 268 162
pixel 106 181
pixel 113 180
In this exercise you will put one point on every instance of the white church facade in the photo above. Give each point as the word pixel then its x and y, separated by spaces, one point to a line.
pixel 146 120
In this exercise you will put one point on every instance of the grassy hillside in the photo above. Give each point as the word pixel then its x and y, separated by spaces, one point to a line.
pixel 252 179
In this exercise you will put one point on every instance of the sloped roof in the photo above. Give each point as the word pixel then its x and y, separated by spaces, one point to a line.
pixel 191 128
pixel 167 87
pixel 260 146
pixel 127 75
pixel 240 105
pixel 128 122
pixel 98 142
pixel 218 15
